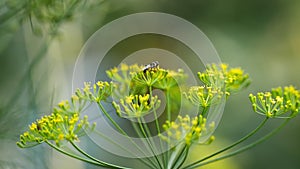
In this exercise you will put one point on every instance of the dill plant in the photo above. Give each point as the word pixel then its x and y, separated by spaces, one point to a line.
pixel 132 90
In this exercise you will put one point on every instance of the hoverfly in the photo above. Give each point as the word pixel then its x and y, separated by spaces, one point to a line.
pixel 153 65
pixel 136 87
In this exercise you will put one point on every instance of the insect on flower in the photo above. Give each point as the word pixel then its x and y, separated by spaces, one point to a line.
pixel 153 65
pixel 139 83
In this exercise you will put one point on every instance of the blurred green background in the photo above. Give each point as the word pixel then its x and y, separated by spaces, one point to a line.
pixel 39 43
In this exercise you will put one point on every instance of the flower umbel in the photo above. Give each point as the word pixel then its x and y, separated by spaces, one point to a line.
pixel 96 92
pixel 64 124
pixel 121 76
pixel 233 79
pixel 186 129
pixel 277 103
pixel 149 77
pixel 203 96
pixel 135 106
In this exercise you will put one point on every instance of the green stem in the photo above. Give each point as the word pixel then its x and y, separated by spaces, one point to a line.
pixel 184 158
pixel 157 127
pixel 140 135
pixel 148 133
pixel 155 114
pixel 168 117
pixel 148 142
pixel 232 145
pixel 73 155
pixel 95 159
pixel 112 141
pixel 136 129
pixel 204 111
pixel 243 148
pixel 111 119
pixel 121 130
pixel 185 148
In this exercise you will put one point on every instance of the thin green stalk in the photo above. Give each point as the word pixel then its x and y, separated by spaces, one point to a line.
pixel 95 159
pixel 111 141
pixel 164 159
pixel 140 135
pixel 243 148
pixel 146 128
pixel 136 129
pixel 148 132
pixel 185 148
pixel 155 114
pixel 121 147
pixel 111 119
pixel 184 158
pixel 120 129
pixel 204 111
pixel 157 127
pixel 168 118
pixel 149 143
pixel 73 155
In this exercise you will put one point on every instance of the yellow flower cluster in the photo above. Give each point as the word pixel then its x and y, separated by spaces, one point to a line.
pixel 64 124
pixel 235 78
pixel 231 80
pixel 124 73
pixel 136 81
pixel 149 78
pixel 203 96
pixel 122 76
pixel 135 106
pixel 185 129
pixel 277 103
pixel 96 92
